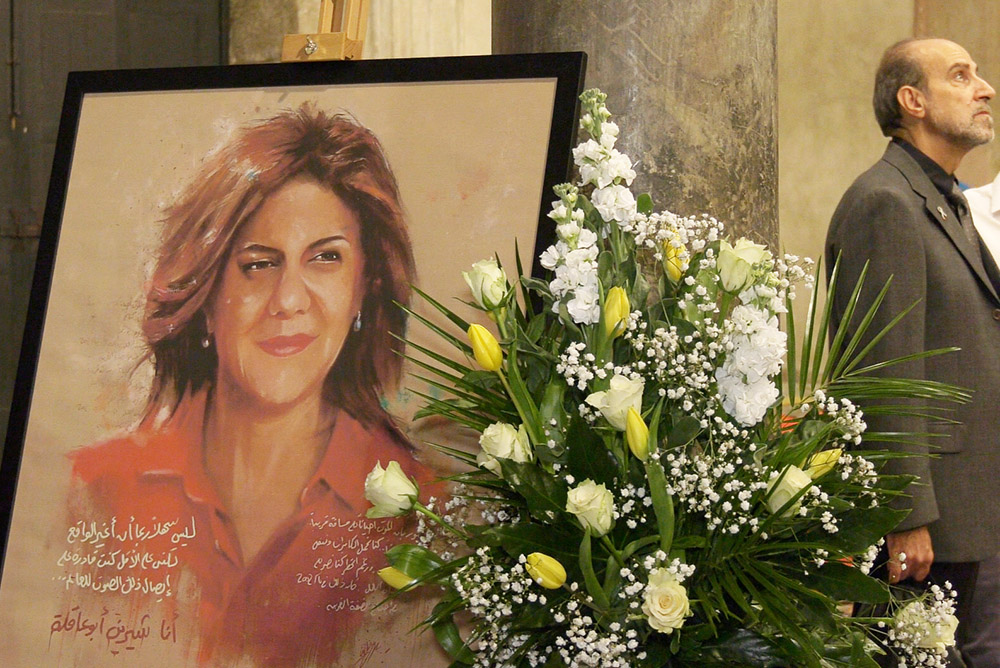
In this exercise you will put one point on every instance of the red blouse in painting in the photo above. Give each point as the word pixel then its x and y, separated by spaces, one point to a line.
pixel 166 538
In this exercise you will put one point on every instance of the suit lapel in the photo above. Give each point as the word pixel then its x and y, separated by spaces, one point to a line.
pixel 938 210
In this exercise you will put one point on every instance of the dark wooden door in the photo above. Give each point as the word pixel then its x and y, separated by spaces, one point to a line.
pixel 42 41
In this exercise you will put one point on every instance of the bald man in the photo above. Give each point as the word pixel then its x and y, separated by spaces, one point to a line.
pixel 906 217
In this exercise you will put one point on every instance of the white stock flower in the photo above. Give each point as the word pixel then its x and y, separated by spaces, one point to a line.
pixel 593 505
pixel 589 151
pixel 559 211
pixel 735 263
pixel 759 344
pixel 745 402
pixel 573 262
pixel 614 403
pixel 585 306
pixel 609 133
pixel 756 354
pixel 569 231
pixel 665 601
pixel 782 488
pixel 389 491
pixel 488 283
pixel 614 203
pixel 504 441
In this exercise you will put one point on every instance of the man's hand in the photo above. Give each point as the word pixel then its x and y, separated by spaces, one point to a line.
pixel 916 545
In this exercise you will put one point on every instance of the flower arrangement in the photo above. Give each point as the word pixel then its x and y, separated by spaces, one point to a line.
pixel 662 480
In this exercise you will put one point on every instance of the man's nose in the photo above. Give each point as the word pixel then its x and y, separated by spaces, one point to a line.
pixel 985 89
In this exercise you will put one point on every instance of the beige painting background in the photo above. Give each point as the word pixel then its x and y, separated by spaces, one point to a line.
pixel 469 158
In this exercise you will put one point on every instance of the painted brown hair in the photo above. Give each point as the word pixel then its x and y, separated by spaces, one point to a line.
pixel 201 226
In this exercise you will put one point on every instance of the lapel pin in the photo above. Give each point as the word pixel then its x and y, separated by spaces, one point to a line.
pixel 944 216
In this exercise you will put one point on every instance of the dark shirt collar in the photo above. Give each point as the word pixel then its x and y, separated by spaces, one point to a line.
pixel 941 179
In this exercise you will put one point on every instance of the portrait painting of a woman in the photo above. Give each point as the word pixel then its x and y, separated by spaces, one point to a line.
pixel 273 326
pixel 219 358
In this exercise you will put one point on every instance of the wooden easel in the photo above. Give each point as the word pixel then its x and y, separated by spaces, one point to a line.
pixel 341 34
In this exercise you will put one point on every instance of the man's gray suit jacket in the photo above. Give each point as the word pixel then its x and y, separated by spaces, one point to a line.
pixel 893 217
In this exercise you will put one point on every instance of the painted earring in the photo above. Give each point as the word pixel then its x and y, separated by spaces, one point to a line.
pixel 206 341
pixel 357 322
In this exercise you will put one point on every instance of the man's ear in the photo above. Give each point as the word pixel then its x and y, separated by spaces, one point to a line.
pixel 912 101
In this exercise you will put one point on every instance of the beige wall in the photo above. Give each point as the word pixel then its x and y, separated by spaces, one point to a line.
pixel 827 135
pixel 975 24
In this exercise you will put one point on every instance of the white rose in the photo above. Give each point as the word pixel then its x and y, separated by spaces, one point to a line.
pixel 665 601
pixel 735 264
pixel 389 491
pixel 506 442
pixel 488 283
pixel 782 488
pixel 614 404
pixel 593 505
pixel 914 619
pixel 942 634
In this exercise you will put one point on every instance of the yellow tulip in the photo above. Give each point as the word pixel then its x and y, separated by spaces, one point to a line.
pixel 485 348
pixel 616 310
pixel 822 462
pixel 545 570
pixel 672 261
pixel 637 434
pixel 395 578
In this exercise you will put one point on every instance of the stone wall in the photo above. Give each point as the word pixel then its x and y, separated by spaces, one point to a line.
pixel 693 84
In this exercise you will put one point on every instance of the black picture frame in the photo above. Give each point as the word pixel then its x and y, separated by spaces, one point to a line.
pixel 265 87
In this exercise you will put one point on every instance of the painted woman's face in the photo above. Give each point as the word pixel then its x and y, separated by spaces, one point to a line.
pixel 289 293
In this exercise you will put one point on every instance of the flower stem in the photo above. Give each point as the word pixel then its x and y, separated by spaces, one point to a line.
pixel 500 318
pixel 529 421
pixel 421 508
pixel 613 550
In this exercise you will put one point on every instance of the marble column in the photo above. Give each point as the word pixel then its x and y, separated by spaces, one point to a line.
pixel 257 27
pixel 693 84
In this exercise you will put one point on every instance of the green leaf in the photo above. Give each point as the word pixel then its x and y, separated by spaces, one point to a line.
pixel 846 583
pixel 744 647
pixel 587 457
pixel 527 537
pixel 683 430
pixel 446 632
pixel 413 560
pixel 544 494
pixel 690 542
pixel 589 576
pixel 447 312
pixel 521 397
pixel 525 294
pixel 663 505
pixel 644 204
pixel 552 416
pixel 536 326
pixel 859 530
